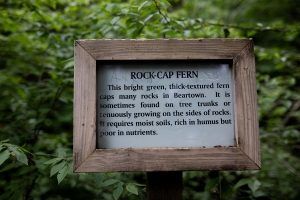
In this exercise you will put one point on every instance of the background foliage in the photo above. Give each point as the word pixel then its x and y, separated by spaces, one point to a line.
pixel 36 81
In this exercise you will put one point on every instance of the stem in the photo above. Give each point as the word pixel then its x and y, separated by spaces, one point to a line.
pixel 252 29
pixel 44 154
pixel 158 9
pixel 284 163
pixel 291 112
pixel 57 95
pixel 29 189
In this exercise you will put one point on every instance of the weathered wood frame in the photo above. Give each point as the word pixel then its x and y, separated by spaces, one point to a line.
pixel 245 155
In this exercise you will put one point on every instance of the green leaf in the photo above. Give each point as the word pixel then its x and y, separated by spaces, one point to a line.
pixel 16 196
pixel 8 167
pixel 132 189
pixel 180 23
pixel 118 191
pixel 114 20
pixel 62 173
pixel 137 31
pixel 62 154
pixel 21 157
pixel 141 195
pixel 165 30
pixel 52 4
pixel 134 14
pixel 3 141
pixel 211 184
pixel 258 194
pixel 166 2
pixel 57 168
pixel 98 178
pixel 137 184
pixel 4 156
pixel 52 161
pixel 69 64
pixel 25 170
pixel 148 17
pixel 242 182
pixel 142 5
pixel 109 182
pixel 226 189
pixel 6 195
pixel 254 185
pixel 18 153
pixel 163 5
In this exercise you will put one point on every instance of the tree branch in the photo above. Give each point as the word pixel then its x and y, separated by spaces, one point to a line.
pixel 289 167
pixel 253 28
pixel 158 9
pixel 291 112
pixel 284 163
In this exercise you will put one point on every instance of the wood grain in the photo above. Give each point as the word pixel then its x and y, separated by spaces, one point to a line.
pixel 167 49
pixel 167 160
pixel 246 103
pixel 84 125
pixel 246 155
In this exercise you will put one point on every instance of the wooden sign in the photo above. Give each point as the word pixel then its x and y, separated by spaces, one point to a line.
pixel 165 105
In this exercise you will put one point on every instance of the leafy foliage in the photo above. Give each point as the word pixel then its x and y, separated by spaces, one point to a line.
pixel 36 78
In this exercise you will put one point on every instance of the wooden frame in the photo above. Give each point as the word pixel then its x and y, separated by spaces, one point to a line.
pixel 245 155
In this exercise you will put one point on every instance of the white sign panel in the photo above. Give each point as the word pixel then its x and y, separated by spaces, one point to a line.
pixel 164 105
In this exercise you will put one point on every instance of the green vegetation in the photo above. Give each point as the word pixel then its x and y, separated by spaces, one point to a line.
pixel 36 81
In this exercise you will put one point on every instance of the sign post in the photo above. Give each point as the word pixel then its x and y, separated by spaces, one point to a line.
pixel 165 106
pixel 164 185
